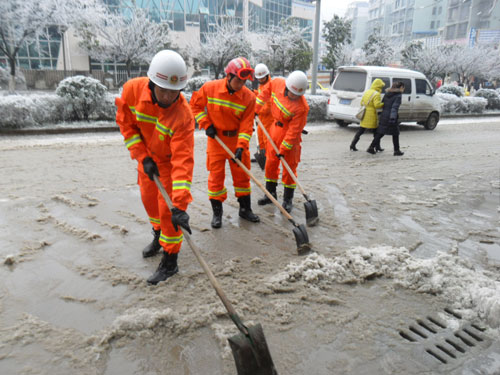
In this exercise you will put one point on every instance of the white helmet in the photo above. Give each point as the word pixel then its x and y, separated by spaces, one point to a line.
pixel 168 70
pixel 261 71
pixel 296 82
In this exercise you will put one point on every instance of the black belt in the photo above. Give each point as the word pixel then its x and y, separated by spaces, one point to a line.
pixel 279 124
pixel 230 133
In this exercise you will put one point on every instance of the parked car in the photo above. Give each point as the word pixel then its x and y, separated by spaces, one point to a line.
pixel 418 103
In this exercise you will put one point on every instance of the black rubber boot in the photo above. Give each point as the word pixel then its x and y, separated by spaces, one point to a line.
pixel 217 218
pixel 153 248
pixel 398 153
pixel 287 199
pixel 167 268
pixel 270 187
pixel 246 209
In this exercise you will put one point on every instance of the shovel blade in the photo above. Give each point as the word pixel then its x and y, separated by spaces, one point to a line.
pixel 260 156
pixel 302 239
pixel 311 209
pixel 251 354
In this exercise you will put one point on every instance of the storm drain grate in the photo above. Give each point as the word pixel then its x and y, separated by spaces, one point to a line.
pixel 441 342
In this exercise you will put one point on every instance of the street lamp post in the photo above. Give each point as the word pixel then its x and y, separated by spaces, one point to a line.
pixel 315 48
pixel 63 32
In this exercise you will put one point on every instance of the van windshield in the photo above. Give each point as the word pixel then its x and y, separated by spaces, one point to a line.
pixel 350 81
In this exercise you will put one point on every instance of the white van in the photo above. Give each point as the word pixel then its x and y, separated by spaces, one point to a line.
pixel 418 102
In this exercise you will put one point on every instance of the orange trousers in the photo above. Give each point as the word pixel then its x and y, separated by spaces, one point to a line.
pixel 268 121
pixel 216 165
pixel 272 171
pixel 159 214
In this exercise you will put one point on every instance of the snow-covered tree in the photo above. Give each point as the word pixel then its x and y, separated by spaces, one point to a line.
pixel 292 51
pixel 348 55
pixel 378 50
pixel 221 46
pixel 337 33
pixel 131 39
pixel 410 54
pixel 21 22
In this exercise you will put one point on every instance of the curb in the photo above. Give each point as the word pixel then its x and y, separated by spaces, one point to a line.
pixel 101 129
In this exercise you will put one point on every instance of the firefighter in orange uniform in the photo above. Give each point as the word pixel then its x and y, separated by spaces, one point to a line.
pixel 265 115
pixel 289 109
pixel 226 108
pixel 158 126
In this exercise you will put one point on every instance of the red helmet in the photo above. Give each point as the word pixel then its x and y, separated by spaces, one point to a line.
pixel 241 68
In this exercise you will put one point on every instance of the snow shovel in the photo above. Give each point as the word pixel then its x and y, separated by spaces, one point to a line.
pixel 249 347
pixel 310 205
pixel 301 237
pixel 260 155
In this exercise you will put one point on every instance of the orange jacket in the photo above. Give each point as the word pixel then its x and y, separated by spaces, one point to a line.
pixel 265 114
pixel 213 104
pixel 165 134
pixel 291 113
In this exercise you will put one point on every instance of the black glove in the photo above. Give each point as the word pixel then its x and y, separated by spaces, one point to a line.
pixel 181 218
pixel 150 167
pixel 392 121
pixel 238 153
pixel 280 156
pixel 210 131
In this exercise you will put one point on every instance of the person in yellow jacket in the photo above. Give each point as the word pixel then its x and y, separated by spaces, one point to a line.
pixel 372 101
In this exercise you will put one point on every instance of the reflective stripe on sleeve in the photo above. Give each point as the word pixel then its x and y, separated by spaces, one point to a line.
pixel 287 145
pixel 244 136
pixel 129 142
pixel 181 184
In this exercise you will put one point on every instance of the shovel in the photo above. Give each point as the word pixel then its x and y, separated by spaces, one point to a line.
pixel 310 205
pixel 301 237
pixel 249 347
pixel 260 155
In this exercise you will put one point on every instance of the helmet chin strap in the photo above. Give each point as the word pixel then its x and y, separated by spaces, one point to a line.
pixel 231 91
pixel 286 91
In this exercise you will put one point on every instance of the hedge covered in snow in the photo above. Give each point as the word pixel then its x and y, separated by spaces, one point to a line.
pixel 492 96
pixel 451 103
pixel 451 89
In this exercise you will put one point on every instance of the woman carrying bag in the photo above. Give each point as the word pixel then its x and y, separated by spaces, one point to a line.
pixel 389 123
pixel 371 100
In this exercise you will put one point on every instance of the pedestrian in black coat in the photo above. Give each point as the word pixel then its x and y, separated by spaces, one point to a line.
pixel 388 121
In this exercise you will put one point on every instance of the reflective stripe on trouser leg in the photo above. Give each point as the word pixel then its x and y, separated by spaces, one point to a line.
pixel 216 165
pixel 241 181
pixel 170 239
pixel 292 158
pixel 149 197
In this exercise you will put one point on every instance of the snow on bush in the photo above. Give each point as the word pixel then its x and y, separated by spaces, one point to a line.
pixel 451 89
pixel 106 109
pixel 492 96
pixel 317 107
pixel 195 83
pixel 20 111
pixel 84 94
pixel 450 103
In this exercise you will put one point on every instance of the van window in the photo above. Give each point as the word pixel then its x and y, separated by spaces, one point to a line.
pixel 386 81
pixel 407 83
pixel 350 81
pixel 422 87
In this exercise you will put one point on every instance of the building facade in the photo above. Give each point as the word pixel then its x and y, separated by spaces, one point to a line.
pixel 189 21
pixel 357 13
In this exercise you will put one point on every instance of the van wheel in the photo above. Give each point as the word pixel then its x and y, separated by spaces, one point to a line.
pixel 341 123
pixel 432 121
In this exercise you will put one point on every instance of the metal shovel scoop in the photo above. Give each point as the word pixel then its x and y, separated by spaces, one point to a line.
pixel 301 237
pixel 310 206
pixel 250 351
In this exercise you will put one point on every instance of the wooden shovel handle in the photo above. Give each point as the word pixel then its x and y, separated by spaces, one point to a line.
pixel 247 171
pixel 204 265
pixel 283 161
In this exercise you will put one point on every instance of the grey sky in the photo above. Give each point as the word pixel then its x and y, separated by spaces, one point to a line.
pixel 331 7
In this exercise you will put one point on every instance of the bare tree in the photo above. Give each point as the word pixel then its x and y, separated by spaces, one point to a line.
pixel 221 46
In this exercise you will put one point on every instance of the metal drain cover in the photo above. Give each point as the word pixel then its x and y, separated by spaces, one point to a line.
pixel 442 347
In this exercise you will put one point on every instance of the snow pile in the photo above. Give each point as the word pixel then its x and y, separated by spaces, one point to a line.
pixel 473 292
pixel 453 104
